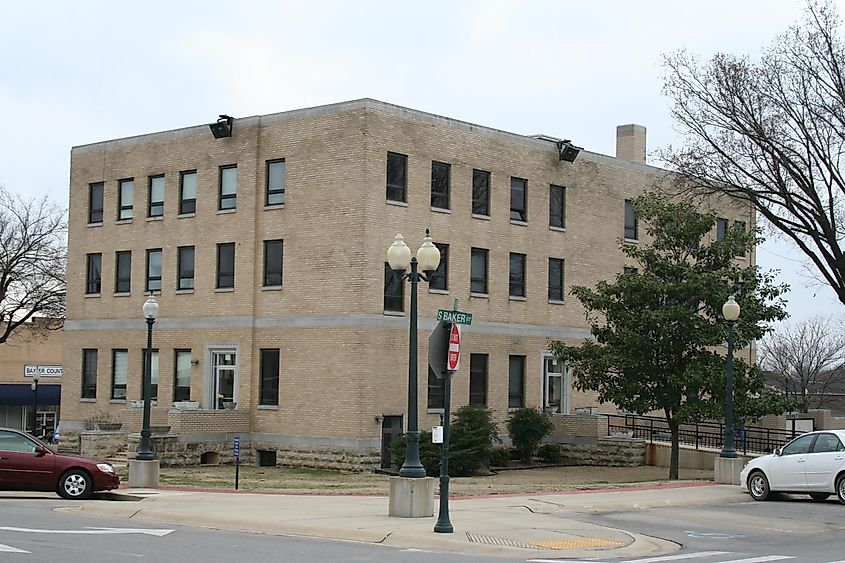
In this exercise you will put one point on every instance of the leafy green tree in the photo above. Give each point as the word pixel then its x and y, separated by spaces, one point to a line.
pixel 527 427
pixel 429 453
pixel 471 438
pixel 658 330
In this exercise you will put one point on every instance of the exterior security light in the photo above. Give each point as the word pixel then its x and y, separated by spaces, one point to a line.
pixel 223 127
pixel 567 151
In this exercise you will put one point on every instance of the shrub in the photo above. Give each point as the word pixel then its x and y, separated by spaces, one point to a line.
pixel 471 437
pixel 499 457
pixel 527 427
pixel 550 453
pixel 429 453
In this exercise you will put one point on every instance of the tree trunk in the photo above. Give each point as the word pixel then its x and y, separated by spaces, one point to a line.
pixel 673 459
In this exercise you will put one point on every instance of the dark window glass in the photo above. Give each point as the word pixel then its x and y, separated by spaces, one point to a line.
pixel 153 372
pixel 516 382
pixel 519 187
pixel 740 227
pixel 226 265
pixel 154 270
pixel 123 271
pixel 631 231
pixel 275 182
pixel 394 299
pixel 480 192
pixel 185 267
pixel 827 443
pixel 800 445
pixel 228 187
pixel 182 375
pixel 125 198
pixel 95 203
pixel 273 260
pixel 630 270
pixel 156 204
pixel 440 277
pixel 478 379
pixel 555 279
pixel 188 191
pixel 440 185
pixel 119 373
pixel 436 391
pixel 89 374
pixel 94 264
pixel 397 176
pixel 268 392
pixel 478 271
pixel 516 278
pixel 557 206
pixel 721 228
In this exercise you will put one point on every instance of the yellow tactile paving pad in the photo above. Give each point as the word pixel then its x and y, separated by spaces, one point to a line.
pixel 576 543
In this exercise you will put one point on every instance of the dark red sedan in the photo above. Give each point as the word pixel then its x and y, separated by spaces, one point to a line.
pixel 26 464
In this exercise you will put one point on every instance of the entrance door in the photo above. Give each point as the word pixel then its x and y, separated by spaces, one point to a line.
pixel 391 427
pixel 224 365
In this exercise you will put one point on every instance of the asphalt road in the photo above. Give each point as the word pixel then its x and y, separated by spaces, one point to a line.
pixel 789 528
pixel 38 529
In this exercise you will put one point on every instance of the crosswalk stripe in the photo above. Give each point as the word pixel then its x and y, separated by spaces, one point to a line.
pixel 678 556
pixel 10 549
pixel 760 559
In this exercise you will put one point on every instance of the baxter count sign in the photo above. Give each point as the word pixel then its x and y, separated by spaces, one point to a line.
pixel 453 360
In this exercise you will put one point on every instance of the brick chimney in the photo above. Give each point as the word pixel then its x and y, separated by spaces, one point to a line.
pixel 630 143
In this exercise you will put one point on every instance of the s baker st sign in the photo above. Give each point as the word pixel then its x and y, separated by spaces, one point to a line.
pixel 31 370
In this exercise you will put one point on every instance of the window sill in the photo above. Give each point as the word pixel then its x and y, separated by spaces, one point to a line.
pixel 519 223
pixel 274 206
pixel 441 210
pixel 631 240
pixel 440 410
pixel 123 222
pixel 184 291
pixel 268 407
pixel 117 401
pixel 558 229
pixel 394 313
pixel 514 409
pixel 482 217
pixel 87 400
pixel 271 288
pixel 226 211
pixel 156 218
pixel 439 291
pixel 556 302
pixel 99 224
pixel 186 215
pixel 224 290
pixel 517 298
pixel 122 294
pixel 92 295
pixel 396 203
pixel 479 295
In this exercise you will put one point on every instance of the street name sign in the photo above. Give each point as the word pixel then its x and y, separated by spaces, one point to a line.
pixel 454 317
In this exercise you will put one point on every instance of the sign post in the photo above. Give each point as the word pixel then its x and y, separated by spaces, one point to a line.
pixel 237 452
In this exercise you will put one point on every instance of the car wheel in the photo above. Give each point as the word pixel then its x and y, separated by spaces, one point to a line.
pixel 75 485
pixel 840 488
pixel 819 496
pixel 758 486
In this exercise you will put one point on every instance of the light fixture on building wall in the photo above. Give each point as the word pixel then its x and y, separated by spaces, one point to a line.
pixel 195 362
pixel 567 151
pixel 222 127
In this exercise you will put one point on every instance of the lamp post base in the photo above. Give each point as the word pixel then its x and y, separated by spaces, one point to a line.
pixel 726 470
pixel 144 474
pixel 411 497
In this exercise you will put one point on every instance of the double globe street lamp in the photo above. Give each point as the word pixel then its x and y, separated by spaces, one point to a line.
pixel 730 310
pixel 400 260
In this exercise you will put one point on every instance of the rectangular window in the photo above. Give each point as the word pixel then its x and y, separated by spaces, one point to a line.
pixel 631 227
pixel 226 265
pixel 397 176
pixel 436 391
pixel 187 192
pixel 185 267
pixel 156 204
pixel 95 203
pixel 394 298
pixel 268 392
pixel 440 277
pixel 480 193
pixel 119 373
pixel 153 270
pixel 478 379
pixel 440 185
pixel 93 277
pixel 721 229
pixel 516 382
pixel 273 259
pixel 557 206
pixel 89 373
pixel 519 188
pixel 153 372
pixel 228 187
pixel 516 278
pixel 555 279
pixel 478 271
pixel 553 390
pixel 182 375
pixel 125 198
pixel 122 271
pixel 739 226
pixel 275 182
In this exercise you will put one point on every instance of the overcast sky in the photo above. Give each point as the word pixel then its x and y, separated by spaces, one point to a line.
pixel 78 72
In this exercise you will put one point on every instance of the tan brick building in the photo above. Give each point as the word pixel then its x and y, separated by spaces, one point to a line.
pixel 266 251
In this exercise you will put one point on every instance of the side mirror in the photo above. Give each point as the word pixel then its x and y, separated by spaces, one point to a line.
pixel 776 451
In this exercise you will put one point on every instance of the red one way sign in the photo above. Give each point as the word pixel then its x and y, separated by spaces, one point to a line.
pixel 453 360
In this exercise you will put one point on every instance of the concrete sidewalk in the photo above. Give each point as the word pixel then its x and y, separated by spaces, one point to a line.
pixel 521 526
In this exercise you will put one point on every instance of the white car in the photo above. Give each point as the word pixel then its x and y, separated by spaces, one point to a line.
pixel 812 464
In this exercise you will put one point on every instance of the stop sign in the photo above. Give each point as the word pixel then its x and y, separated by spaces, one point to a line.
pixel 453 360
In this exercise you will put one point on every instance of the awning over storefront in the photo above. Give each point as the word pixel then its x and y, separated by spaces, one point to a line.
pixel 21 394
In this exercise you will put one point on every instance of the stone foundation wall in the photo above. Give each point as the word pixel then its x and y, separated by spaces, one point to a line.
pixel 610 452
pixel 102 445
